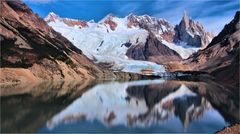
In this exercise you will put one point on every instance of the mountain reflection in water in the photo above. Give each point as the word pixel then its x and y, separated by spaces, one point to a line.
pixel 136 106
pixel 141 104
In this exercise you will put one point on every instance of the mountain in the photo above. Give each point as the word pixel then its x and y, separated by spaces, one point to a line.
pixel 31 48
pixel 221 57
pixel 159 27
pixel 106 42
pixel 118 42
pixel 32 51
pixel 153 50
pixel 192 34
pixel 168 34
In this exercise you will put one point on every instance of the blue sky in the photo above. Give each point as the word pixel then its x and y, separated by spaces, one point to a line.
pixel 214 14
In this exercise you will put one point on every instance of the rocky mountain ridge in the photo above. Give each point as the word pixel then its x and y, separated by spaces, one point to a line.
pixel 221 57
pixel 186 31
pixel 70 22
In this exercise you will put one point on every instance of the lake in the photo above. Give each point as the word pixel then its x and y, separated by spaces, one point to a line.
pixel 144 106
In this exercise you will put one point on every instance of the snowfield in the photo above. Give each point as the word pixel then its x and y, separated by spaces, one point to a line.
pixel 182 49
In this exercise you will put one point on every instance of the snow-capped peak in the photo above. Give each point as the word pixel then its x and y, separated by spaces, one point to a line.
pixel 91 21
pixel 51 17
pixel 52 14
pixel 107 17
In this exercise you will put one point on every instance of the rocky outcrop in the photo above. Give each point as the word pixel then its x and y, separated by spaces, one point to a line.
pixel 32 51
pixel 234 129
pixel 110 22
pixel 192 34
pixel 153 50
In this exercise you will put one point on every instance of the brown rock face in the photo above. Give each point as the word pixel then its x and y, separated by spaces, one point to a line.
pixel 153 50
pixel 28 42
pixel 221 57
pixel 191 33
pixel 109 21
pixel 72 23
pixel 52 17
pixel 234 129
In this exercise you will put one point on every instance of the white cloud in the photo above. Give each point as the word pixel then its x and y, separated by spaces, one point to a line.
pixel 215 24
pixel 129 7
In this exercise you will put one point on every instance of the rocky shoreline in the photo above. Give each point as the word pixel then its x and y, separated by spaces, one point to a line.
pixel 234 129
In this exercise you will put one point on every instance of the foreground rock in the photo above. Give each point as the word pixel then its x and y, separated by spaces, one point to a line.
pixel 235 129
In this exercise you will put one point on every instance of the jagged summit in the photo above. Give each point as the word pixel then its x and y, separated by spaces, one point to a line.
pixel 159 27
pixel 185 18
pixel 192 33
pixel 107 17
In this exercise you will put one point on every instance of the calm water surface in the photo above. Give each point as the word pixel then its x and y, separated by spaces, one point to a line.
pixel 136 106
